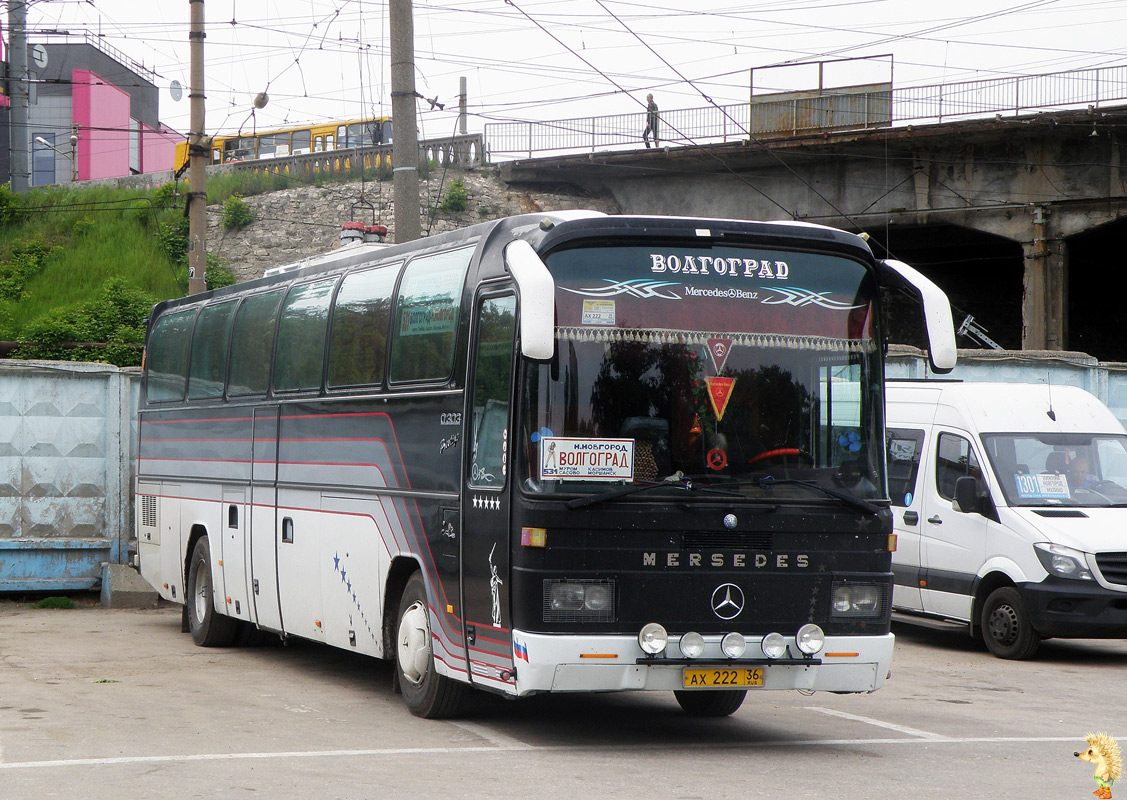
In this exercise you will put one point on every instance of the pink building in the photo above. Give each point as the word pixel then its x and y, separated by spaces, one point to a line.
pixel 93 114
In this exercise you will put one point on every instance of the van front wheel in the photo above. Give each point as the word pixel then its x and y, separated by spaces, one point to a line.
pixel 1006 628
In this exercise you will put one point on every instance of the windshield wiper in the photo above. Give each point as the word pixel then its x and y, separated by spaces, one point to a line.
pixel 767 482
pixel 677 479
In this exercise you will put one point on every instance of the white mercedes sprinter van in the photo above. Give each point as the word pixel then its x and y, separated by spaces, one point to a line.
pixel 1010 509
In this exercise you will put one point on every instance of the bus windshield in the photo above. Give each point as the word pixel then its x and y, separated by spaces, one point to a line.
pixel 751 369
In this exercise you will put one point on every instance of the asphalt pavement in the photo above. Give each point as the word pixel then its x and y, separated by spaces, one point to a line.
pixel 98 703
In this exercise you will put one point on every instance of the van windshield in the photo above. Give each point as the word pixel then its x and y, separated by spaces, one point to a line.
pixel 1054 469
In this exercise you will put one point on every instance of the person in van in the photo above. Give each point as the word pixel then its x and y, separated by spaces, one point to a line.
pixel 1078 475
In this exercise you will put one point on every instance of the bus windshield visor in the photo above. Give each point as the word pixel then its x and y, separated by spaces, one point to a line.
pixel 1059 469
pixel 748 369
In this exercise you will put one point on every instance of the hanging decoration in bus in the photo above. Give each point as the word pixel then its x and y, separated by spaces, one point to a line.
pixel 719 393
pixel 719 348
pixel 563 458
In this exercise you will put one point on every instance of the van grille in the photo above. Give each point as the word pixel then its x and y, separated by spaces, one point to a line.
pixel 1113 566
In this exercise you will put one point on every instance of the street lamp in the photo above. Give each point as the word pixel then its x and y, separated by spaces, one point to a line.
pixel 73 147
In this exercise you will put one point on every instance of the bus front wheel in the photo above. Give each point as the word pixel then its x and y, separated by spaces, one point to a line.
pixel 711 704
pixel 426 693
pixel 208 627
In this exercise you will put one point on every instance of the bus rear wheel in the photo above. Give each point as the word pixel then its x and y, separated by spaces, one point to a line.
pixel 208 627
pixel 711 704
pixel 426 693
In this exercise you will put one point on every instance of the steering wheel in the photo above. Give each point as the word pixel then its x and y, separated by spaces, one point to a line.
pixel 782 452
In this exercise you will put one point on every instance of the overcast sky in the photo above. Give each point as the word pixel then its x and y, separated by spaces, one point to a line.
pixel 551 59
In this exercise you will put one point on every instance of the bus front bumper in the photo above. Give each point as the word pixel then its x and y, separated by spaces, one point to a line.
pixel 569 663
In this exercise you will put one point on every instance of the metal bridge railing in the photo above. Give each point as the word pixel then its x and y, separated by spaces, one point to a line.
pixel 791 113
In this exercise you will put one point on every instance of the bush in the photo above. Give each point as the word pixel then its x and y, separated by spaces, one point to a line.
pixel 115 318
pixel 455 198
pixel 26 262
pixel 236 213
pixel 10 211
pixel 218 276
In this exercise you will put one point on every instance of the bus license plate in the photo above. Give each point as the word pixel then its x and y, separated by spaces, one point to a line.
pixel 717 678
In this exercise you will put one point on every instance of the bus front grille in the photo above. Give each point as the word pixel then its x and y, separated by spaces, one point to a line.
pixel 726 540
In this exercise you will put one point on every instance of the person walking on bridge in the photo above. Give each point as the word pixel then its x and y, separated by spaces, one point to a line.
pixel 651 121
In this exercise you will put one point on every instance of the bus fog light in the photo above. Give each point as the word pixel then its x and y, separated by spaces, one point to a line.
pixel 733 645
pixel 692 645
pixel 810 639
pixel 652 638
pixel 774 645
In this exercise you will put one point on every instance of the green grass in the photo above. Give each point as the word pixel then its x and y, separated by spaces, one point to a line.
pixel 55 602
pixel 93 234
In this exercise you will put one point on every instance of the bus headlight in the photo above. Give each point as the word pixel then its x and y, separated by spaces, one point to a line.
pixel 858 600
pixel 692 645
pixel 774 645
pixel 579 601
pixel 810 639
pixel 733 645
pixel 652 638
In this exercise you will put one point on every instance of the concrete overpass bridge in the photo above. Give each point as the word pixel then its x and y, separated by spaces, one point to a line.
pixel 1021 218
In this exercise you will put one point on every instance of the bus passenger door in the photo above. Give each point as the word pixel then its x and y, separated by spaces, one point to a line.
pixel 485 497
pixel 263 519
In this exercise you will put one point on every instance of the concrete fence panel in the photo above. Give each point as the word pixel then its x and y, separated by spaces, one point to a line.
pixel 66 468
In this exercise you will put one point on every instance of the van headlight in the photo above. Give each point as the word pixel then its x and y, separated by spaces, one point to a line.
pixel 1064 562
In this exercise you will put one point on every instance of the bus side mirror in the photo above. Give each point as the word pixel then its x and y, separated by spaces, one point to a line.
pixel 536 291
pixel 941 350
pixel 966 494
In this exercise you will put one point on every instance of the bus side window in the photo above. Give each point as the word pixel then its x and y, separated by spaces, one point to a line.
pixel 903 450
pixel 209 351
pixel 168 356
pixel 491 392
pixel 329 142
pixel 253 343
pixel 426 316
pixel 361 314
pixel 300 142
pixel 300 356
pixel 216 155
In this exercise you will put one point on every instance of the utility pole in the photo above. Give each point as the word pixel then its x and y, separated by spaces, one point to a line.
pixel 462 105
pixel 198 150
pixel 19 140
pixel 405 146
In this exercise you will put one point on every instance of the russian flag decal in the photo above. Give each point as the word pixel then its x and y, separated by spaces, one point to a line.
pixel 521 650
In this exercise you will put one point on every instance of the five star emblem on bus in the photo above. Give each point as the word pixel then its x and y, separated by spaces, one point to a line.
pixel 489 503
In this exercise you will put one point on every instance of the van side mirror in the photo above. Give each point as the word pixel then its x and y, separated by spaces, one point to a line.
pixel 966 494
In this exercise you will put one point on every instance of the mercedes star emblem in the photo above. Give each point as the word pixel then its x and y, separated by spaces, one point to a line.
pixel 727 601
